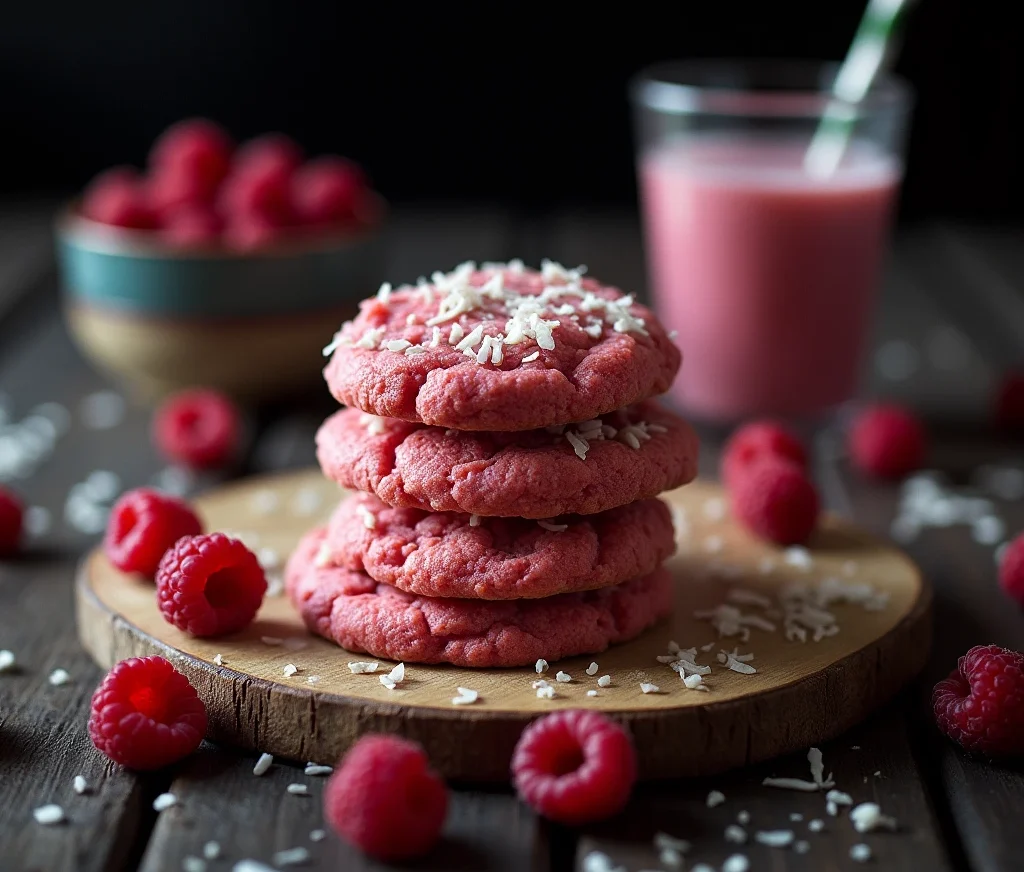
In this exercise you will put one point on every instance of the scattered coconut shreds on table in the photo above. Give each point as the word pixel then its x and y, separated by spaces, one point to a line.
pixel 715 798
pixel 736 863
pixel 80 785
pixel 592 669
pixel 164 801
pixel 774 838
pixel 297 789
pixel 59 677
pixel 6 661
pixel 291 857
pixel 735 834
pixel 218 660
pixel 743 817
pixel 290 669
pixel 596 861
pixel 867 817
pixel 48 815
pixel 317 769
pixel 604 681
pixel 317 835
pixel 591 693
pixel 272 641
pixel 860 853
pixel 563 677
pixel 816 825
pixel 394 678
pixel 817 774
pixel 263 764
pixel 193 864
pixel 541 666
pixel 647 687
pixel 465 696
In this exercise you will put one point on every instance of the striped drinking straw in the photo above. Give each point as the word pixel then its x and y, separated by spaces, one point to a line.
pixel 869 53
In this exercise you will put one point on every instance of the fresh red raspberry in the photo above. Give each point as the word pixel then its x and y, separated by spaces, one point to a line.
pixel 981 704
pixel 200 428
pixel 118 197
pixel 10 522
pixel 209 585
pixel 170 189
pixel 192 226
pixel 195 148
pixel 274 149
pixel 250 233
pixel 887 441
pixel 143 524
pixel 1011 569
pixel 574 766
pixel 777 501
pixel 756 441
pixel 261 190
pixel 1009 404
pixel 386 800
pixel 327 191
pixel 146 715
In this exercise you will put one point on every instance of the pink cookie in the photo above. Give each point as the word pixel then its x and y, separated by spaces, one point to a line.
pixel 445 555
pixel 634 454
pixel 501 348
pixel 362 615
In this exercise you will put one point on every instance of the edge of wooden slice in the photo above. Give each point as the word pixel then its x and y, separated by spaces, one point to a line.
pixel 792 703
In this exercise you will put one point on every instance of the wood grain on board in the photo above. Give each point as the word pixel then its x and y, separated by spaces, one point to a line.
pixel 800 694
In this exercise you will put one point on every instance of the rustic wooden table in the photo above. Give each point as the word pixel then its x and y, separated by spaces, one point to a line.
pixel 954 812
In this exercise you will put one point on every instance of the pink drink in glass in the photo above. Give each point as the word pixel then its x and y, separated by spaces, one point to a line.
pixel 767 274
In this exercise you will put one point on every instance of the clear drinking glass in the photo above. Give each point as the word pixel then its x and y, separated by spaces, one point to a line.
pixel 767 272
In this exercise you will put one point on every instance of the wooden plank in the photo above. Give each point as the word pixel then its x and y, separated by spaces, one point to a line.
pixel 680 809
pixel 44 743
pixel 970 610
pixel 219 799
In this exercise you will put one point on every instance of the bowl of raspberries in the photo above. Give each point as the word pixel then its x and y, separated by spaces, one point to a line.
pixel 218 253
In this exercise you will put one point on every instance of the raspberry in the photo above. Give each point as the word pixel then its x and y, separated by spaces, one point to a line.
pixel 10 522
pixel 1009 404
pixel 385 799
pixel 197 149
pixel 1011 570
pixel 261 191
pixel 143 524
pixel 209 585
pixel 250 233
pixel 274 149
pixel 777 501
pixel 574 766
pixel 118 197
pixel 756 441
pixel 191 226
pixel 169 189
pixel 887 441
pixel 200 428
pixel 981 704
pixel 327 191
pixel 146 715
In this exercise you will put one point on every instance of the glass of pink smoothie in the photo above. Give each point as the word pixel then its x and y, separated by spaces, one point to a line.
pixel 767 272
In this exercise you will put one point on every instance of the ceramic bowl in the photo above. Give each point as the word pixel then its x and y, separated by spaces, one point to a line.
pixel 250 324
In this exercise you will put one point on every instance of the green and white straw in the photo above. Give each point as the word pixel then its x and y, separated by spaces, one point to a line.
pixel 868 55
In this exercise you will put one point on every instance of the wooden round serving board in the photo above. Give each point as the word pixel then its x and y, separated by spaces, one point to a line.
pixel 801 694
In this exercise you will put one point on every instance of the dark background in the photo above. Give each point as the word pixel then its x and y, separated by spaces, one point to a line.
pixel 523 104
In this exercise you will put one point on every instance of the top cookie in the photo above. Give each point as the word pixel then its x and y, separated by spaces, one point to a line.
pixel 500 348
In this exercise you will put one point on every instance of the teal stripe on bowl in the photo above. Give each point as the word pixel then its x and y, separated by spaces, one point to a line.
pixel 147 281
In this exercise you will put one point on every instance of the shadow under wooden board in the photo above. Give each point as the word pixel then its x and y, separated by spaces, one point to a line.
pixel 802 693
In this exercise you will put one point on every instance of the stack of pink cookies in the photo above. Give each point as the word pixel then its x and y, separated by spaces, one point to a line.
pixel 507 458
